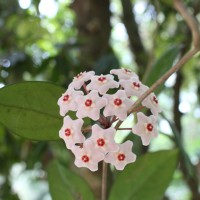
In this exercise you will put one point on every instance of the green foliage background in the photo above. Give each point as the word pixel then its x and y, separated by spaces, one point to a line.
pixel 39 55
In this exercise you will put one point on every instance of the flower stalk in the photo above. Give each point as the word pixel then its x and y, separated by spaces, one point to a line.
pixel 104 181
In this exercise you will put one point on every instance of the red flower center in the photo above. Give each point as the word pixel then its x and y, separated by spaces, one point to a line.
pixel 67 132
pixel 149 127
pixel 155 100
pixel 101 79
pixel 121 157
pixel 135 84
pixel 88 102
pixel 66 97
pixel 101 142
pixel 85 158
pixel 117 102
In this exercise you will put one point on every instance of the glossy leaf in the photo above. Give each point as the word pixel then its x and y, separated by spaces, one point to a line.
pixel 65 185
pixel 162 65
pixel 147 178
pixel 30 110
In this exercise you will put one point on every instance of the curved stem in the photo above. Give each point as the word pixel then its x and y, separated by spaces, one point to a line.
pixel 194 28
pixel 137 109
pixel 191 22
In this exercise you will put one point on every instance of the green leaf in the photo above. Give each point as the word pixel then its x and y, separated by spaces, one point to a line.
pixel 162 65
pixel 147 178
pixel 65 185
pixel 30 110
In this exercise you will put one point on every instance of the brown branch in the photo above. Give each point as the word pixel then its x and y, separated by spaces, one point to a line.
pixel 189 177
pixel 191 22
pixel 136 45
pixel 193 26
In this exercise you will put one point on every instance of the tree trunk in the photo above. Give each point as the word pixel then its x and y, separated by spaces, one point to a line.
pixel 94 28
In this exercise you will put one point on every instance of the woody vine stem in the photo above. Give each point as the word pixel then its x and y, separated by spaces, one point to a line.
pixel 193 26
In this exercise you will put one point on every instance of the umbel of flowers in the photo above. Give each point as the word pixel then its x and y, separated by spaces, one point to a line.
pixel 105 99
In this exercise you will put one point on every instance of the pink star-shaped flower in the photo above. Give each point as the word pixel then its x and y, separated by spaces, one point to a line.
pixel 102 83
pixel 145 128
pixel 79 79
pixel 90 105
pixel 87 156
pixel 104 139
pixel 133 87
pixel 122 157
pixel 151 102
pixel 118 105
pixel 67 101
pixel 71 132
pixel 124 73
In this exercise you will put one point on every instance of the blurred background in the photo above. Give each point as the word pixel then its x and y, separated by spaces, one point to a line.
pixel 53 40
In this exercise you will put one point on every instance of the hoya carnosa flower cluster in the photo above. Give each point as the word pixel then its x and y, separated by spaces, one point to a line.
pixel 92 96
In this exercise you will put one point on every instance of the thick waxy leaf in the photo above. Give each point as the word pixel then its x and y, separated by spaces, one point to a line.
pixel 147 178
pixel 162 65
pixel 30 110
pixel 65 185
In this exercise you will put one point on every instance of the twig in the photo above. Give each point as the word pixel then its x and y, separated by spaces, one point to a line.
pixel 104 181
pixel 193 26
